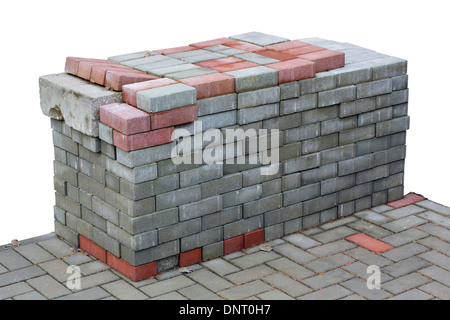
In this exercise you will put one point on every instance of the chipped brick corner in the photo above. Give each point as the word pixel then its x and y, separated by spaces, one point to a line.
pixel 342 112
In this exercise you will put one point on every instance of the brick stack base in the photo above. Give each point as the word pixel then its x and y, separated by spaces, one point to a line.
pixel 120 196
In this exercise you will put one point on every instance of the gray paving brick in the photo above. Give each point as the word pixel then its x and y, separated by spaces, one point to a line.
pixel 374 88
pixel 241 196
pixel 436 289
pixel 406 251
pixel 369 229
pixel 333 234
pixel 198 292
pixel 245 290
pixel 259 97
pixel 360 287
pixel 336 96
pixel 124 291
pixel 96 293
pixel 392 126
pixel 331 248
pixel 250 274
pixel 14 290
pixel 436 244
pixel 258 38
pixel 413 294
pixel 323 81
pixel 290 268
pixel 255 114
pixel 328 263
pixel 210 280
pixel 436 231
pixel 285 284
pixel 438 274
pixel 437 259
pixel 320 114
pixel 404 223
pixel 301 133
pixel 406 266
pixel 444 210
pixel 254 78
pixel 48 287
pixel 436 218
pixel 302 241
pixel 166 98
pixel 34 295
pixel 166 286
pixel 404 237
pixel 405 283
pixel 368 257
pixel 329 293
pixel 328 278
pixel 301 103
pixel 220 266
pixel 295 254
pixel 178 197
pixel 360 270
pixel 254 259
pixel 56 268
pixel 13 260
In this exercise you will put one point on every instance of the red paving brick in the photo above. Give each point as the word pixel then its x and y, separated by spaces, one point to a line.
pixel 282 56
pixel 190 257
pixel 142 140
pixel 92 248
pixel 287 45
pixel 134 273
pixel 173 117
pixel 218 62
pixel 253 238
pixel 241 45
pixel 304 50
pixel 326 59
pixel 235 66
pixel 233 244
pixel 410 198
pixel 210 43
pixel 125 118
pixel 211 85
pixel 369 243
pixel 293 70
pixel 115 79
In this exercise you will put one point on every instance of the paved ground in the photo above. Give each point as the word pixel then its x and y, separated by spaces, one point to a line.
pixel 318 263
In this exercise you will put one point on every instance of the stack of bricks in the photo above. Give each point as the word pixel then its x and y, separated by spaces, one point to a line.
pixel 341 111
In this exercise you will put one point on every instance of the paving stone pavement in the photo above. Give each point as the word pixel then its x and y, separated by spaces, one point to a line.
pixel 318 263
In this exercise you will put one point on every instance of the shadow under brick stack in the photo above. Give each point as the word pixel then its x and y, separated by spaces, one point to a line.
pixel 341 111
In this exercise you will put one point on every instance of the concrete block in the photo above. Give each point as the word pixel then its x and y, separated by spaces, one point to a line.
pixel 217 104
pixel 323 81
pixel 352 74
pixel 336 96
pixel 218 120
pixel 320 143
pixel 254 78
pixel 372 174
pixel 65 173
pixel 321 114
pixel 258 38
pixel 357 134
pixel 222 185
pixel 179 230
pixel 225 216
pixel 355 192
pixel 201 239
pixel 200 208
pixel 291 181
pixel 372 145
pixel 301 133
pixel 241 196
pixel 399 110
pixel 201 174
pixel 389 182
pixel 141 157
pixel 255 114
pixel 149 188
pixel 139 174
pixel 337 184
pixel 283 122
pixel 318 174
pixel 352 108
pixel 283 214
pixel 394 98
pixel 301 194
pixel 337 154
pixel 375 116
pixel 148 222
pixel 178 197
pixel 337 125
pixel 271 187
pixel 301 163
pixel 262 205
pixel 258 97
pixel 389 67
pixel 320 204
pixel 302 103
pixel 75 100
pixel 289 90
pixel 374 88
pixel 390 155
pixel 400 82
pixel 398 139
pixel 392 126
pixel 65 143
pixel 166 98
pixel 357 164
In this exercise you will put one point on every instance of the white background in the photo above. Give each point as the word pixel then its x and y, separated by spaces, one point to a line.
pixel 37 36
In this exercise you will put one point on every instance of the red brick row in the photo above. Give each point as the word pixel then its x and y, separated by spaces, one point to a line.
pixel 149 270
